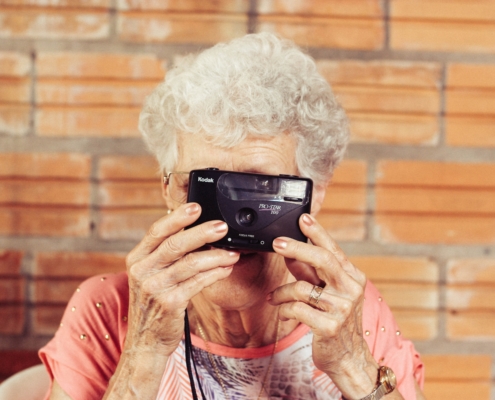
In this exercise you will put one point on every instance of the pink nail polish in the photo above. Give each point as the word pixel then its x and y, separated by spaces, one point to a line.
pixel 307 219
pixel 192 209
pixel 220 227
pixel 280 243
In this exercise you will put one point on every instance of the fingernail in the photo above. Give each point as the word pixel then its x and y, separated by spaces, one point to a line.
pixel 280 243
pixel 307 219
pixel 192 209
pixel 220 227
pixel 233 253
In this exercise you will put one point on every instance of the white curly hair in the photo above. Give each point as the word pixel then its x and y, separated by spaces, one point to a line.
pixel 258 84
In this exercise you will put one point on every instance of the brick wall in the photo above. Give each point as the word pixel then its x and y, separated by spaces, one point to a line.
pixel 413 205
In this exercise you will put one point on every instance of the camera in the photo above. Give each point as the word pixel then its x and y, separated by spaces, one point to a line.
pixel 257 208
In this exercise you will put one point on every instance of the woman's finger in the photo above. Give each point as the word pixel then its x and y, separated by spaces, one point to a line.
pixel 303 272
pixel 320 237
pixel 178 245
pixel 327 267
pixel 324 255
pixel 315 296
pixel 320 322
pixel 186 268
pixel 191 287
pixel 183 216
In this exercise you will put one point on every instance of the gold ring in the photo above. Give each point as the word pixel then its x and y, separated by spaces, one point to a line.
pixel 314 296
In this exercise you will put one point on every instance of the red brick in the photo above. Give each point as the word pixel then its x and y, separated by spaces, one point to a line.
pixel 130 194
pixel 53 292
pixel 347 33
pixel 81 265
pixel 342 212
pixel 49 165
pixel 434 229
pixel 128 168
pixel 432 173
pixel 60 3
pixel 337 8
pixel 471 325
pixel 47 192
pixel 394 128
pixel 470 298
pixel 345 199
pixel 409 295
pixel 12 318
pixel 417 324
pixel 54 222
pixel 458 366
pixel 180 28
pixel 461 10
pixel 470 106
pixel 217 6
pixel 14 64
pixel 455 390
pixel 388 99
pixel 349 180
pixel 127 224
pixel 381 73
pixel 12 290
pixel 15 90
pixel 344 227
pixel 470 131
pixel 470 102
pixel 46 319
pixel 10 262
pixel 350 172
pixel 471 270
pixel 14 119
pixel 441 36
pixel 92 92
pixel 434 200
pixel 471 75
pixel 54 24
pixel 87 121
pixel 100 65
pixel 397 269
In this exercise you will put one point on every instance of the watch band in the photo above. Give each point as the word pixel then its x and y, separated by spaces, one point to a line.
pixel 377 393
pixel 385 383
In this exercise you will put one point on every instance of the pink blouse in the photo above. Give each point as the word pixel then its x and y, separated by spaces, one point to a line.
pixel 85 351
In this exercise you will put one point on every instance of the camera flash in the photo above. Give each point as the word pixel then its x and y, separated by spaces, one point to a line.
pixel 293 189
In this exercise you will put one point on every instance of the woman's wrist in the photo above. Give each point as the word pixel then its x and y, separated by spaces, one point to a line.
pixel 356 381
pixel 138 375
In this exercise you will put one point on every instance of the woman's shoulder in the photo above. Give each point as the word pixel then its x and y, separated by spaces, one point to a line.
pixel 86 348
pixel 113 287
pixel 103 301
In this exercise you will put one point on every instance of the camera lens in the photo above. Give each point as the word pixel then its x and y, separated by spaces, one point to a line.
pixel 246 217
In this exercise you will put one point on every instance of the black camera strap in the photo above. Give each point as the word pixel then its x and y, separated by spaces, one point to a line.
pixel 190 360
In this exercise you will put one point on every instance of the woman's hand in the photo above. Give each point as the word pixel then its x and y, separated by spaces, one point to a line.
pixel 335 318
pixel 165 272
pixel 166 269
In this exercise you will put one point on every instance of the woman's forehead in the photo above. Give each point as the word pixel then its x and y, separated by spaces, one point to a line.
pixel 270 154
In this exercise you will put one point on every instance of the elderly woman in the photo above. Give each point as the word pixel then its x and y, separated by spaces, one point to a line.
pixel 301 322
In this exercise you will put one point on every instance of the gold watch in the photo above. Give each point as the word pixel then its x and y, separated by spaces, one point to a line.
pixel 385 384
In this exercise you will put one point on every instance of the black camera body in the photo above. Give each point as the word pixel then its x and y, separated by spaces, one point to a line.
pixel 257 208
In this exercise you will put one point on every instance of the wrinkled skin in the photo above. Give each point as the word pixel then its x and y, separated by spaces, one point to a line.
pixel 238 296
pixel 336 321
